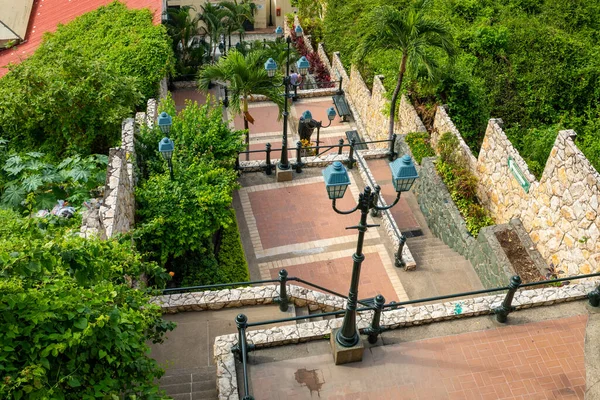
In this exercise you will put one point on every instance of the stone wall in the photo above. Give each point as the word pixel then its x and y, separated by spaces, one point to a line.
pixel 408 119
pixel 325 59
pixel 390 319
pixel 559 212
pixel 442 124
pixel 445 221
pixel 115 212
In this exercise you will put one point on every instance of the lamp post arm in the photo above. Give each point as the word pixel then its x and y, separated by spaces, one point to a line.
pixel 340 211
pixel 325 126
pixel 391 205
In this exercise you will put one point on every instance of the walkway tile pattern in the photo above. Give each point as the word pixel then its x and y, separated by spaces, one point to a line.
pixel 541 360
pixel 378 275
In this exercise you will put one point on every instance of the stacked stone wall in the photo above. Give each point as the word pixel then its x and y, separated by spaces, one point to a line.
pixel 115 212
pixel 325 59
pixel 559 212
pixel 442 124
pixel 408 119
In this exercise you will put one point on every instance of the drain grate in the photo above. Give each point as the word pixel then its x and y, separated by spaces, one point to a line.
pixel 413 233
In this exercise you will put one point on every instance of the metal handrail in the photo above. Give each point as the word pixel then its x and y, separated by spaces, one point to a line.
pixel 375 329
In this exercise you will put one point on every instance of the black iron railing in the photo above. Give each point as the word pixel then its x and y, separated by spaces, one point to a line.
pixel 375 328
pixel 318 151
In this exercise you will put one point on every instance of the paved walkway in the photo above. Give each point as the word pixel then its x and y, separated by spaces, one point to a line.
pixel 543 360
pixel 187 353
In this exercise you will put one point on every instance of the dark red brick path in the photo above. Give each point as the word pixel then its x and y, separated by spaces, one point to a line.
pixel 542 360
pixel 307 215
pixel 335 274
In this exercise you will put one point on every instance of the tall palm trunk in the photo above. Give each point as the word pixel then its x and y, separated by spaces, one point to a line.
pixel 247 128
pixel 395 95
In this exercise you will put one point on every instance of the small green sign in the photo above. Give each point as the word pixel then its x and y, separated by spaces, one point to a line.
pixel 518 174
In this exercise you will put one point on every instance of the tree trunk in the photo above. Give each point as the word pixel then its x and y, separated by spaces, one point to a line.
pixel 395 95
pixel 247 128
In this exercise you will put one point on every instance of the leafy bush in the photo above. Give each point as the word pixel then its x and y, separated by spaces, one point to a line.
pixel 420 146
pixel 462 185
pixel 532 63
pixel 71 95
pixel 178 218
pixel 70 326
pixel 30 176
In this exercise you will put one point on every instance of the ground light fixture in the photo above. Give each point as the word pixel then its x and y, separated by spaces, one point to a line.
pixel 346 346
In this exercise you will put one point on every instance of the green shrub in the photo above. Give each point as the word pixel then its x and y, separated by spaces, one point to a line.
pixel 70 325
pixel 461 184
pixel 420 146
pixel 178 218
pixel 232 261
pixel 71 95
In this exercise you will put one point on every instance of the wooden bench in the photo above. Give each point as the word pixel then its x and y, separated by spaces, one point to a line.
pixel 341 106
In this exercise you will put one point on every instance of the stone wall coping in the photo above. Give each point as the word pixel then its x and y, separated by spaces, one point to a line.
pixel 244 296
pixel 392 319
pixel 314 162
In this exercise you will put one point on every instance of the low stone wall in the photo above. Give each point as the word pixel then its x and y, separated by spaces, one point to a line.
pixel 247 296
pixel 313 162
pixel 392 319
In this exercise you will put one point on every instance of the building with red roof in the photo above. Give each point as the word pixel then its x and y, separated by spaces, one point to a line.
pixel 46 15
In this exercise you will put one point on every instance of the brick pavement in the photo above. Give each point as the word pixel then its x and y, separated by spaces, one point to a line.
pixel 542 360
pixel 265 116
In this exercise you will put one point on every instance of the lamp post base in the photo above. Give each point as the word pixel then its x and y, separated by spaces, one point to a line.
pixel 345 355
pixel 283 175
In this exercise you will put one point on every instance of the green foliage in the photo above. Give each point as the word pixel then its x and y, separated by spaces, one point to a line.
pixel 420 146
pixel 462 184
pixel 535 145
pixel 71 95
pixel 70 326
pixel 178 218
pixel 190 51
pixel 532 63
pixel 229 265
pixel 31 176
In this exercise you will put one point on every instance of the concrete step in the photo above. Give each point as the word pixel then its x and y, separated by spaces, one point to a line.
pixel 302 311
pixel 205 395
pixel 184 383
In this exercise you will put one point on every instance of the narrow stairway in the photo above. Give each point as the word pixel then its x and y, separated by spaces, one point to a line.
pixel 191 384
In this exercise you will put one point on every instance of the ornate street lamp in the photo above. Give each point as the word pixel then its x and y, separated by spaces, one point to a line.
pixel 279 32
pixel 307 116
pixel 337 180
pixel 271 67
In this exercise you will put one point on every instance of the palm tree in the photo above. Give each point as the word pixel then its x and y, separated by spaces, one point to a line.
pixel 245 76
pixel 212 16
pixel 184 29
pixel 413 33
pixel 235 15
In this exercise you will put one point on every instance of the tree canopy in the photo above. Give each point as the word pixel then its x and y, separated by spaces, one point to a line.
pixel 532 63
pixel 73 92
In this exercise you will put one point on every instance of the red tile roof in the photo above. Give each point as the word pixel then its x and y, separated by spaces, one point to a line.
pixel 47 14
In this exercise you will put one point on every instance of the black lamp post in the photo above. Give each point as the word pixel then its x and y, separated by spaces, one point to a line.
pixel 307 117
pixel 337 180
pixel 166 145
pixel 288 81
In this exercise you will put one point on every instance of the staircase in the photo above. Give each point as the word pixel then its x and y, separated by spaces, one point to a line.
pixel 191 384
pixel 429 250
pixel 301 311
